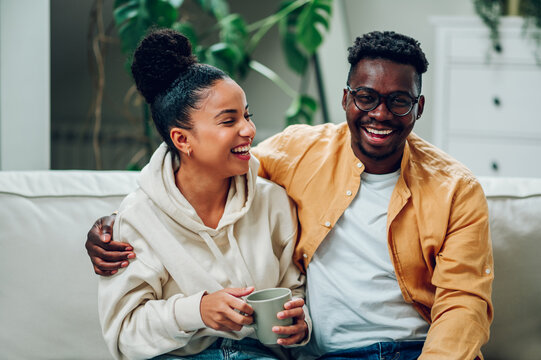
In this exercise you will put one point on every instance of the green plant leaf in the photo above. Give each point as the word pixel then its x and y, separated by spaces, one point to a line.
pixel 490 13
pixel 272 76
pixel 224 57
pixel 217 8
pixel 187 30
pixel 233 30
pixel 201 53
pixel 162 13
pixel 125 11
pixel 315 16
pixel 133 18
pixel 130 33
pixel 176 3
pixel 301 110
pixel 295 57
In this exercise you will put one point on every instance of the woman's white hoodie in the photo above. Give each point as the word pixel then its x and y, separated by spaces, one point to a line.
pixel 152 306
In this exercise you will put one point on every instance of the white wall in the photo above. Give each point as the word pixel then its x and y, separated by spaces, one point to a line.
pixel 24 73
pixel 24 85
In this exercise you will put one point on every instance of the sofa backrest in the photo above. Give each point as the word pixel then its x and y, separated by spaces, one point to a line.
pixel 48 291
pixel 515 226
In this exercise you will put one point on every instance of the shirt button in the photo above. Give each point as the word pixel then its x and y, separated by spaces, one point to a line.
pixel 359 165
pixel 348 193
pixel 328 224
pixel 305 256
pixel 487 271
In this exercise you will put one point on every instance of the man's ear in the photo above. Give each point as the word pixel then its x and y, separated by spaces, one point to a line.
pixel 180 137
pixel 345 99
pixel 420 106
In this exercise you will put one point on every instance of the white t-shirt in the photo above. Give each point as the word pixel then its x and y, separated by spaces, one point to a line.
pixel 352 291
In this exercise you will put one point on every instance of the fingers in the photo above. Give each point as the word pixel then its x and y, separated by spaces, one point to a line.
pixel 102 230
pixel 293 310
pixel 237 310
pixel 223 311
pixel 107 256
pixel 294 303
pixel 104 272
pixel 107 223
pixel 297 332
pixel 107 261
pixel 108 266
pixel 240 292
pixel 225 324
pixel 113 251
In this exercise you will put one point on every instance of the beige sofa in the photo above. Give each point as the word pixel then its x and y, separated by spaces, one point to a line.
pixel 48 301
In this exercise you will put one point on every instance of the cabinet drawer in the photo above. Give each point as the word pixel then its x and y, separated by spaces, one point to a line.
pixel 487 157
pixel 475 46
pixel 495 100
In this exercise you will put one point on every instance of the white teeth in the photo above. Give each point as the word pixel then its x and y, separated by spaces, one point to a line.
pixel 241 149
pixel 379 132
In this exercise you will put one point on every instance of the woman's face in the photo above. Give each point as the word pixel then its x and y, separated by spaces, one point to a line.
pixel 222 131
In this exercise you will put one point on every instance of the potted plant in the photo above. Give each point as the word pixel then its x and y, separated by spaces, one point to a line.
pixel 228 44
pixel 491 11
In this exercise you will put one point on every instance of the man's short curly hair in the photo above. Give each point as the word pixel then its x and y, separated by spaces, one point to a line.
pixel 390 46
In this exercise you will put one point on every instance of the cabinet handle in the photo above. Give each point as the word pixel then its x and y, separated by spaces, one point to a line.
pixel 497 101
pixel 494 165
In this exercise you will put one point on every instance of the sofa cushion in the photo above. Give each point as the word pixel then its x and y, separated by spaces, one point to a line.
pixel 515 225
pixel 48 292
pixel 48 304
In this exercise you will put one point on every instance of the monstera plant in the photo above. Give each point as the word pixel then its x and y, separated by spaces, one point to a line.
pixel 229 43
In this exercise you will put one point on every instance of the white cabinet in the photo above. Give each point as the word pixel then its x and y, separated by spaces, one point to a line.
pixel 487 104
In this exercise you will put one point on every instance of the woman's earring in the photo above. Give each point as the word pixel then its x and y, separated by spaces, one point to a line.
pixel 189 152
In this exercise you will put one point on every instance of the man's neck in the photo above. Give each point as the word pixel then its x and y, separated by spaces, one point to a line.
pixel 380 166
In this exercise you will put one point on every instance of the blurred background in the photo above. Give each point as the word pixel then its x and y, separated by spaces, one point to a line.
pixel 67 100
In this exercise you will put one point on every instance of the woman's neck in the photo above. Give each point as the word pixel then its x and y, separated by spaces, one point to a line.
pixel 206 193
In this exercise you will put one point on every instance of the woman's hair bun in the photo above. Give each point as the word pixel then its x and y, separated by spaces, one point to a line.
pixel 160 58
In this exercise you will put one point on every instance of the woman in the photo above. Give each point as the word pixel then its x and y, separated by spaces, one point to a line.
pixel 205 229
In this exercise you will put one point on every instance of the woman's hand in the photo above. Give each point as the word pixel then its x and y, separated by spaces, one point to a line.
pixel 223 310
pixel 107 256
pixel 299 330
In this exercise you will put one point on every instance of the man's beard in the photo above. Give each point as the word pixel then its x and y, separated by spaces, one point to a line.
pixel 377 157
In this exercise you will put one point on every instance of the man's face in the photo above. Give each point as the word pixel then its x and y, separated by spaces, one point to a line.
pixel 378 136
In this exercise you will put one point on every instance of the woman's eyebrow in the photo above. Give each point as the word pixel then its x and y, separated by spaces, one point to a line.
pixel 228 111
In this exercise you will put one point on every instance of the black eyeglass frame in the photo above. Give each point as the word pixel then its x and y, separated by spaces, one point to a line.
pixel 386 97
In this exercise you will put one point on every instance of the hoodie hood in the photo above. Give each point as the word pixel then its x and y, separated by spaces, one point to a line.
pixel 157 181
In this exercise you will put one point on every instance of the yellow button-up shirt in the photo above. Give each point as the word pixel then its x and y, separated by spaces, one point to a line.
pixel 437 226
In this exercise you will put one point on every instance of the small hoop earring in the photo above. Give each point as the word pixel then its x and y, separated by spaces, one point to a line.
pixel 189 152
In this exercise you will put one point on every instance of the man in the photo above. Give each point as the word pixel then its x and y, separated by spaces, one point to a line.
pixel 393 233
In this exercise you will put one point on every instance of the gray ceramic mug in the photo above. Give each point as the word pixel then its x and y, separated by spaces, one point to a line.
pixel 266 304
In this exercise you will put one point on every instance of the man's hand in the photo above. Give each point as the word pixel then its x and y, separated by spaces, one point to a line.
pixel 299 330
pixel 107 256
pixel 223 310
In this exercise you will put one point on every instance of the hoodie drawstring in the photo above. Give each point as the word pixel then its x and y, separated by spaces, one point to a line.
pixel 221 258
pixel 238 255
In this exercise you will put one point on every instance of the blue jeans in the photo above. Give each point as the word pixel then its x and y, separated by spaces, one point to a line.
pixel 229 349
pixel 400 350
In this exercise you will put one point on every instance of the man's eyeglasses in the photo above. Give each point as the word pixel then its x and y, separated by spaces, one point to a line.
pixel 399 103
